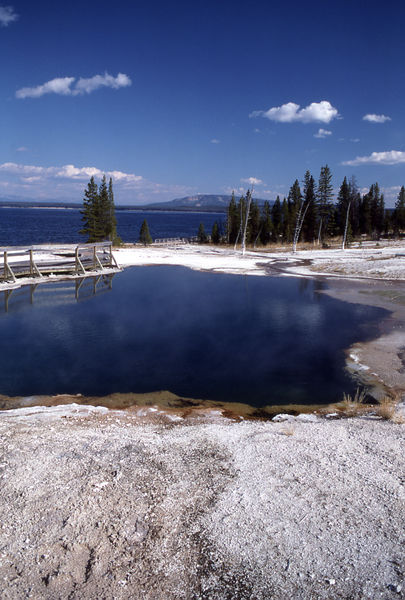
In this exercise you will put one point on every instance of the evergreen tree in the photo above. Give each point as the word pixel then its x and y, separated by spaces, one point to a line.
pixel 98 213
pixel 399 212
pixel 144 234
pixel 201 235
pixel 309 225
pixel 377 210
pixel 325 205
pixel 103 213
pixel 365 215
pixel 266 225
pixel 277 218
pixel 254 223
pixel 233 221
pixel 286 229
pixel 215 234
pixel 112 223
pixel 343 201
pixel 355 206
pixel 90 205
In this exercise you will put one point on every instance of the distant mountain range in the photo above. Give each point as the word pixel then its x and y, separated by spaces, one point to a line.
pixel 199 202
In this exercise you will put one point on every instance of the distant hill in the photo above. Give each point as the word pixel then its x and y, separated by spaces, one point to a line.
pixel 199 202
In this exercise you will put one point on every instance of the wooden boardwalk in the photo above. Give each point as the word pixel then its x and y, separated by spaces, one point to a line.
pixel 34 262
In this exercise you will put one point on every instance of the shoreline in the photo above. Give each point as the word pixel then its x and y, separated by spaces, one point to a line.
pixel 378 364
pixel 168 499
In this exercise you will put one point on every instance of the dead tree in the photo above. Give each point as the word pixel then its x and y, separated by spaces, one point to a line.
pixel 346 227
pixel 248 203
pixel 298 224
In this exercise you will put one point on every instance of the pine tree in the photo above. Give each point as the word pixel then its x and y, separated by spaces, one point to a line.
pixel 254 223
pixel 232 223
pixel 365 215
pixel 399 212
pixel 311 218
pixel 103 213
pixel 343 201
pixel 286 230
pixel 266 225
pixel 89 212
pixel 201 235
pixel 144 234
pixel 376 210
pixel 112 223
pixel 215 234
pixel 325 205
pixel 98 214
pixel 277 218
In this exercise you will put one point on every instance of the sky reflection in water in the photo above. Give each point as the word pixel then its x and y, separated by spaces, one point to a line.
pixel 258 340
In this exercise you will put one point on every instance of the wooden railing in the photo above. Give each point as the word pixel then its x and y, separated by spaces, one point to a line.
pixel 36 261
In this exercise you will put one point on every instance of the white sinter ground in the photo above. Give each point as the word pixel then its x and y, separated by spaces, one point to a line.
pixel 141 504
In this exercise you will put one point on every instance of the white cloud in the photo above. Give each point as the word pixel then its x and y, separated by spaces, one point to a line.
pixel 391 157
pixel 7 15
pixel 322 112
pixel 64 86
pixel 252 181
pixel 322 133
pixel 67 172
pixel 22 149
pixel 67 183
pixel 354 140
pixel 86 86
pixel 215 141
pixel 376 118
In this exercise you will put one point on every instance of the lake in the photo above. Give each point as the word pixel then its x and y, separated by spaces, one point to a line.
pixel 250 339
pixel 30 226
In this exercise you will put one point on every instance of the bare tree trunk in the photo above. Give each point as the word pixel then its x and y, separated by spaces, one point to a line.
pixel 319 232
pixel 240 226
pixel 249 200
pixel 298 225
pixel 346 227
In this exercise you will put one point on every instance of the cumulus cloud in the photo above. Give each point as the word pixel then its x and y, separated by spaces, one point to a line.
pixel 391 157
pixel 7 15
pixel 86 86
pixel 322 133
pixel 67 172
pixel 376 118
pixel 67 182
pixel 22 149
pixel 66 86
pixel 252 181
pixel 322 112
pixel 215 141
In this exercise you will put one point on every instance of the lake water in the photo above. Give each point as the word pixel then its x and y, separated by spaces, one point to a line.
pixel 30 226
pixel 257 340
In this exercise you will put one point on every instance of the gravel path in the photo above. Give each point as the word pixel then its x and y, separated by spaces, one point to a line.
pixel 106 506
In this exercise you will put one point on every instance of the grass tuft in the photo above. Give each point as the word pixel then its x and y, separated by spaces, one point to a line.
pixel 354 406
pixel 387 409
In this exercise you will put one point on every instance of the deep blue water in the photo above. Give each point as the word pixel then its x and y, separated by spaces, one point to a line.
pixel 30 226
pixel 258 340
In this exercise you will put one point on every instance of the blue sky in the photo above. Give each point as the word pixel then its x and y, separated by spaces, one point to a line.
pixel 175 99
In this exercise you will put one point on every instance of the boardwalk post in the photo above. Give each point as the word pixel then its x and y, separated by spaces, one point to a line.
pixel 78 262
pixel 7 268
pixel 33 266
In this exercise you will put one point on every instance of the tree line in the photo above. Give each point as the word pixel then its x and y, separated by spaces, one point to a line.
pixel 310 214
pixel 98 213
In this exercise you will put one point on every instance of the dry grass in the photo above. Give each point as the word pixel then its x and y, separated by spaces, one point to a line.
pixel 353 407
pixel 387 410
pixel 288 430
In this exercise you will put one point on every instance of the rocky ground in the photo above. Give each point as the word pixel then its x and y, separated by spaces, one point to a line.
pixel 102 504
